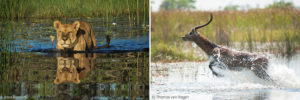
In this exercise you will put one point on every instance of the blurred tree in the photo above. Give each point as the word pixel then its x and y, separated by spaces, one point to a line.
pixel 231 7
pixel 281 5
pixel 177 5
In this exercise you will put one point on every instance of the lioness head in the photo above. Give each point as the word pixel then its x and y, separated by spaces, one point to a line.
pixel 66 34
pixel 66 71
pixel 72 68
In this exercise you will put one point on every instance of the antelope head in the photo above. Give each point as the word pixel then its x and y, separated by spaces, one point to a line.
pixel 192 36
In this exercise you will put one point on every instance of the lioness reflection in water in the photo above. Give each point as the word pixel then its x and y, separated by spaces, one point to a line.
pixel 73 67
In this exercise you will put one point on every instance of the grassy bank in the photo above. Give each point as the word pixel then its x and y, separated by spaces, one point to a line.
pixel 250 27
pixel 15 9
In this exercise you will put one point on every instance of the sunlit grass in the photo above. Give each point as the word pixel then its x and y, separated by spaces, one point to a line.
pixel 15 9
pixel 257 25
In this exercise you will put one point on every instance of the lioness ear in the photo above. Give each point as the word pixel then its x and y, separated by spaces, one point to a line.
pixel 56 24
pixel 76 25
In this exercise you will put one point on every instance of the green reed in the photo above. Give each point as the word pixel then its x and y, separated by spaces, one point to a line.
pixel 15 9
pixel 257 25
pixel 7 57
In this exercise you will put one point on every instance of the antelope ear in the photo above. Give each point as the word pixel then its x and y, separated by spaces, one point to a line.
pixel 194 30
pixel 56 24
pixel 76 25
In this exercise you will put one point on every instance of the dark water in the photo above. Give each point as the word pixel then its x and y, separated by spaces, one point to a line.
pixel 29 70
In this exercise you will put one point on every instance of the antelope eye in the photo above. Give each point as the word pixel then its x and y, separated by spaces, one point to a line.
pixel 191 33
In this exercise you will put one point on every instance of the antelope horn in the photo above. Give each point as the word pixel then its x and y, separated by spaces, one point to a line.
pixel 211 17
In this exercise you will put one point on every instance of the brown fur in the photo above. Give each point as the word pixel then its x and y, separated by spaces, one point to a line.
pixel 218 54
pixel 78 36
pixel 71 69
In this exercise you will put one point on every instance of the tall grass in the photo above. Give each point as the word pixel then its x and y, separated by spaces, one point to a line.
pixel 15 9
pixel 257 25
pixel 7 57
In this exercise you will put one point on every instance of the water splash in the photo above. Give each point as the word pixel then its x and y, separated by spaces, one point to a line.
pixel 196 77
pixel 218 65
pixel 284 76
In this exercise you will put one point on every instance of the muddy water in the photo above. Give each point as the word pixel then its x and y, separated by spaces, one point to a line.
pixel 30 70
pixel 194 80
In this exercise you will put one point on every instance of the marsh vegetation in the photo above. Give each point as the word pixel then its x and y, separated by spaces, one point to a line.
pixel 19 9
pixel 264 30
pixel 30 75
pixel 28 70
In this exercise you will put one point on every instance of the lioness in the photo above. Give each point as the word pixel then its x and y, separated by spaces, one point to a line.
pixel 66 71
pixel 78 36
pixel 72 69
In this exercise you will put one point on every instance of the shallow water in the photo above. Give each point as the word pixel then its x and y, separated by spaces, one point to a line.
pixel 29 70
pixel 34 34
pixel 194 80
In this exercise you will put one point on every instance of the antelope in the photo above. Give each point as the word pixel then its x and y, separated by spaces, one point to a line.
pixel 223 57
